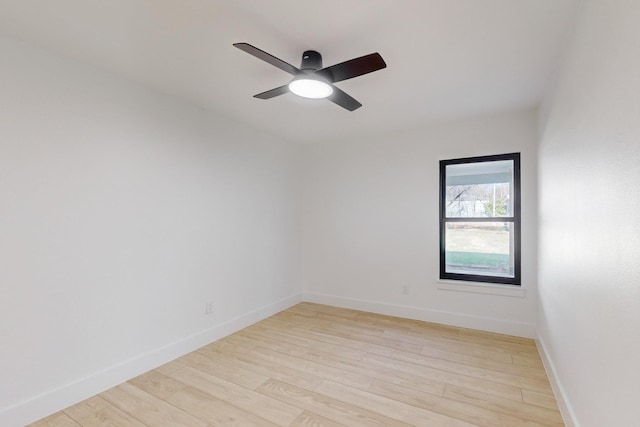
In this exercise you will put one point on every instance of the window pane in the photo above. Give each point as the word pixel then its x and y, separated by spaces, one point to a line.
pixel 481 189
pixel 479 248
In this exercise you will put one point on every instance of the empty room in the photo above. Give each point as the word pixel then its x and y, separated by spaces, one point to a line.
pixel 338 213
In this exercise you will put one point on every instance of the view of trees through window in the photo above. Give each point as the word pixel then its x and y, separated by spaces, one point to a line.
pixel 484 200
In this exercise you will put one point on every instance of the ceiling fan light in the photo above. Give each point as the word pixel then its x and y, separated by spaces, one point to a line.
pixel 310 88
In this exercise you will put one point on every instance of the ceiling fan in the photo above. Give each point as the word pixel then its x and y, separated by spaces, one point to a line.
pixel 313 81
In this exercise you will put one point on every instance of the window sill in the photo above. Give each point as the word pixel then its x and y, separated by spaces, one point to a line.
pixel 481 288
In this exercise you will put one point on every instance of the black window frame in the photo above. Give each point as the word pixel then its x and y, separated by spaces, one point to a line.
pixel 515 219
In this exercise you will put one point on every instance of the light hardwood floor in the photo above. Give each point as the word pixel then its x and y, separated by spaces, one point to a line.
pixel 315 365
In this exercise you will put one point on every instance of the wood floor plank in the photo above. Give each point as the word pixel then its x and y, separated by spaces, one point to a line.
pixel 59 419
pixel 339 341
pixel 355 334
pixel 487 386
pixel 85 408
pixel 376 372
pixel 300 343
pixel 502 364
pixel 508 342
pixel 215 411
pixel 227 371
pixel 489 342
pixel 516 376
pixel 275 322
pixel 544 400
pixel 449 407
pixel 334 409
pixel 316 365
pixel 343 318
pixel 250 335
pixel 309 419
pixel 544 416
pixel 169 368
pixel 318 369
pixel 149 409
pixel 391 408
pixel 335 311
pixel 252 363
pixel 527 359
pixel 446 344
pixel 391 343
pixel 468 348
pixel 270 409
pixel 157 384
pixel 407 326
pixel 110 416
pixel 267 338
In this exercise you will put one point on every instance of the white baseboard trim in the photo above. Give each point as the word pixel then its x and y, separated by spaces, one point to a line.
pixel 52 401
pixel 520 329
pixel 568 415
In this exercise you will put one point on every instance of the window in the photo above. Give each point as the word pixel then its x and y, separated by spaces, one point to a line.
pixel 480 219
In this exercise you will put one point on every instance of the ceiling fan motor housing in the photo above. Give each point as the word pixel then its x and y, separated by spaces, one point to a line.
pixel 311 60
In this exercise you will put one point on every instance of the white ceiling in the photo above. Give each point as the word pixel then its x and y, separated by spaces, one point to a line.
pixel 446 59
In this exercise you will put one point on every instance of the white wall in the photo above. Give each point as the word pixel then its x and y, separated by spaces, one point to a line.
pixel 121 213
pixel 589 221
pixel 370 223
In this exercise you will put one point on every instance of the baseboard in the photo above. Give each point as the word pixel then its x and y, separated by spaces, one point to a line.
pixel 489 324
pixel 52 401
pixel 568 415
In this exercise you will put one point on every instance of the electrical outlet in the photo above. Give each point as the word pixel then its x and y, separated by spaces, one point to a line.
pixel 208 307
pixel 405 289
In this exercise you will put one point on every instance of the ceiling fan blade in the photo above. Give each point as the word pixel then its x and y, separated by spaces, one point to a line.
pixel 353 68
pixel 261 54
pixel 273 92
pixel 342 99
